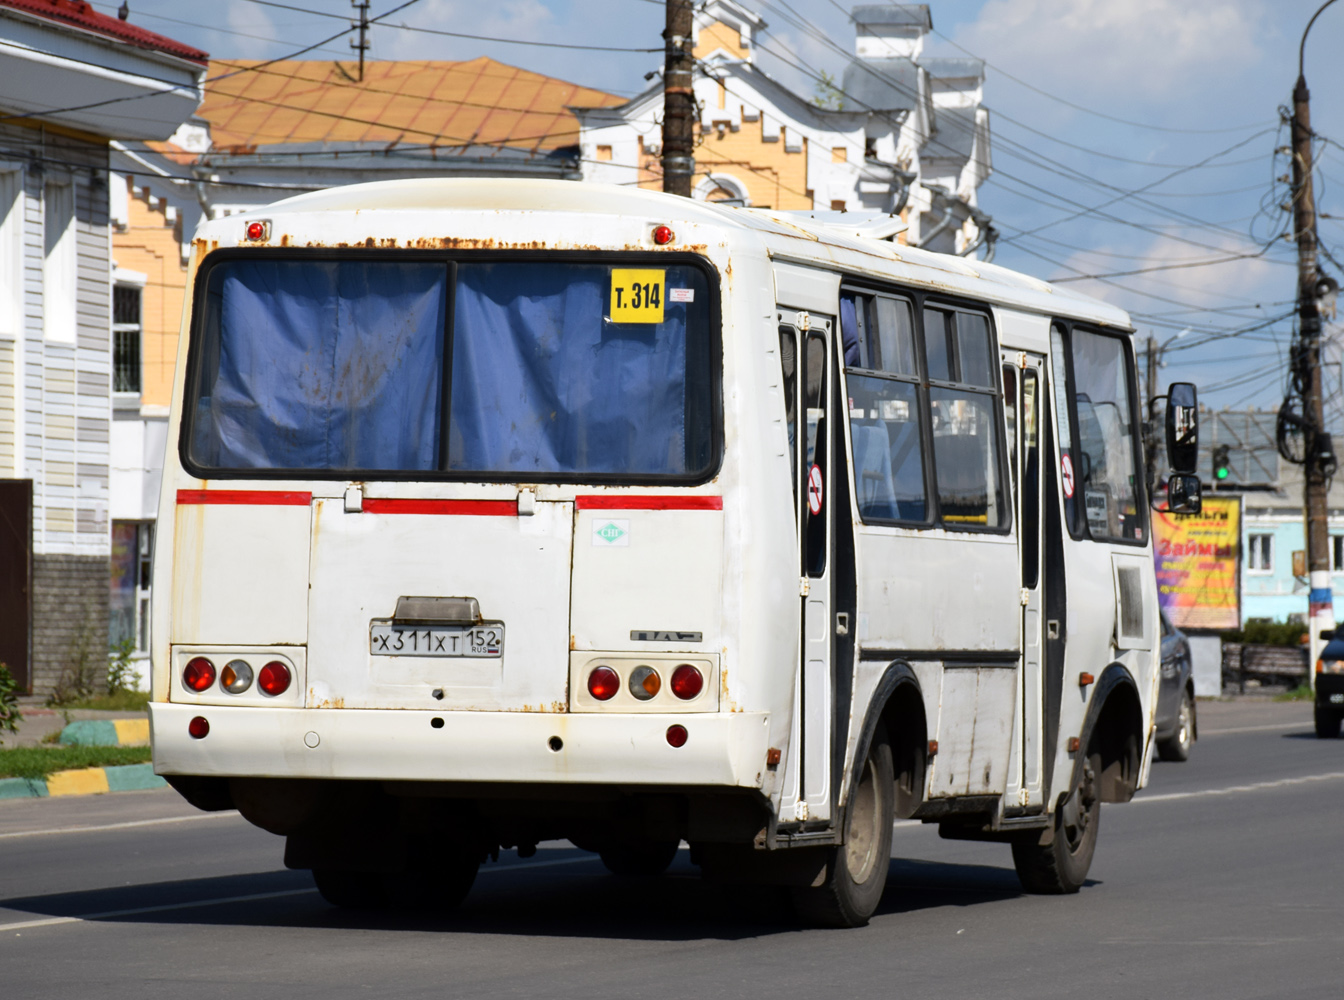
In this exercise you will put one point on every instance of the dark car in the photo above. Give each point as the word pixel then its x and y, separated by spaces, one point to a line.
pixel 1330 688
pixel 1176 730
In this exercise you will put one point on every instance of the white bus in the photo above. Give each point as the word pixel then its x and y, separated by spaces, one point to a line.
pixel 504 511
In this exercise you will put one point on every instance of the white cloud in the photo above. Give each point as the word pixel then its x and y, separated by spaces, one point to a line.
pixel 1090 49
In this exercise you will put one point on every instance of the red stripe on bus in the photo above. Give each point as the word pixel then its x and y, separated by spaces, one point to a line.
pixel 267 498
pixel 479 508
pixel 607 501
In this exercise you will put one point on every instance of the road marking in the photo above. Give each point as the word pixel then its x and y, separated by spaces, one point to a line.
pixel 223 900
pixel 54 921
pixel 1254 729
pixel 229 814
pixel 1238 789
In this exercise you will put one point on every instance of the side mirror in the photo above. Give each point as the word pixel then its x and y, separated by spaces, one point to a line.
pixel 1183 494
pixel 1183 427
pixel 1327 634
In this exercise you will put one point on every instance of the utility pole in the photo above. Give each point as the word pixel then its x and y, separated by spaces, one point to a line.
pixel 1319 454
pixel 678 100
pixel 363 25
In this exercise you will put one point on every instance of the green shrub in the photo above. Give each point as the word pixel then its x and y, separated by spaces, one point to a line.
pixel 1263 633
pixel 10 716
pixel 120 673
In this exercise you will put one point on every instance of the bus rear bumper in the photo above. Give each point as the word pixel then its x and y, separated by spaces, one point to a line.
pixel 721 749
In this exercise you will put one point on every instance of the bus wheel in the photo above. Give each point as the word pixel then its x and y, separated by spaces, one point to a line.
pixel 1178 746
pixel 1327 723
pixel 1061 866
pixel 640 859
pixel 848 891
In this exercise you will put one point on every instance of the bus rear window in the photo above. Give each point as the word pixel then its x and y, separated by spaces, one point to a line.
pixel 536 369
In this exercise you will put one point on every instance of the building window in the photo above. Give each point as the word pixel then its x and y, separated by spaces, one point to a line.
pixel 125 338
pixel 132 550
pixel 1260 553
pixel 1337 553
pixel 11 252
pixel 60 262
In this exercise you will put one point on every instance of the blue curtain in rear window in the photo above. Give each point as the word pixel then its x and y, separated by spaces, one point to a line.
pixel 543 382
pixel 322 365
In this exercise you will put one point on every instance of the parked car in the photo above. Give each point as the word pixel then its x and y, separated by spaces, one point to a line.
pixel 1330 688
pixel 1176 729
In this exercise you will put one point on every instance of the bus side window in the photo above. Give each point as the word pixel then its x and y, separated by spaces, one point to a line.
pixel 966 426
pixel 1068 474
pixel 814 399
pixel 886 417
pixel 788 360
pixel 1107 453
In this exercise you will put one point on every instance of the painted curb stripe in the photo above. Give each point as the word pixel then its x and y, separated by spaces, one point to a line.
pixel 131 731
pixel 86 781
pixel 479 508
pixel 132 778
pixel 269 498
pixel 656 502
pixel 90 733
pixel 22 788
pixel 105 732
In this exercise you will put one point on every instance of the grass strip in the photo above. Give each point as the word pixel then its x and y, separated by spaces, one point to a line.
pixel 122 701
pixel 38 762
pixel 1302 693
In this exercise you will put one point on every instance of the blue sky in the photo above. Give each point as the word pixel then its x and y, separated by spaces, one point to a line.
pixel 1090 101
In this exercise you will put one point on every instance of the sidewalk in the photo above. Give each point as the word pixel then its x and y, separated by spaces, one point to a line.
pixel 39 722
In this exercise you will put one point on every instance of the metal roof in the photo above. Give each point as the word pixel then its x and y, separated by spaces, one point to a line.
pixel 79 14
pixel 894 13
pixel 882 84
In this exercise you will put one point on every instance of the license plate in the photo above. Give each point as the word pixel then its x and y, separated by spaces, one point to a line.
pixel 485 641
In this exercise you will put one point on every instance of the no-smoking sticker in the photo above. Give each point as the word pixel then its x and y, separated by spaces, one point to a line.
pixel 815 491
pixel 1066 468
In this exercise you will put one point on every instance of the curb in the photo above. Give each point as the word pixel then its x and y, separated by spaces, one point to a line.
pixel 85 781
pixel 106 733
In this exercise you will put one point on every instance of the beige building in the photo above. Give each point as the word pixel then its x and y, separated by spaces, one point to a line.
pixel 909 138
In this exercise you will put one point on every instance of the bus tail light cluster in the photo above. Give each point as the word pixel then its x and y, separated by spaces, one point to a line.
pixel 236 678
pixel 645 682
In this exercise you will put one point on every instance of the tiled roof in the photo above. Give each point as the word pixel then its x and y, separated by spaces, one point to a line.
pixel 82 15
pixel 399 103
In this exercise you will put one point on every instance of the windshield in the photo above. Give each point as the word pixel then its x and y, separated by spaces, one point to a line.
pixel 528 369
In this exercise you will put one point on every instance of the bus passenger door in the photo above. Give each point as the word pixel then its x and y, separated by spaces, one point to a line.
pixel 807 337
pixel 1023 388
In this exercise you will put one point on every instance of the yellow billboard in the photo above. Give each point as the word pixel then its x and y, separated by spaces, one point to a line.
pixel 1198 559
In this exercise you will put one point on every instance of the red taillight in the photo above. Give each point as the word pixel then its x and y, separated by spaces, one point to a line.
pixel 274 678
pixel 199 673
pixel 687 682
pixel 199 728
pixel 256 230
pixel 603 683
pixel 676 736
pixel 663 235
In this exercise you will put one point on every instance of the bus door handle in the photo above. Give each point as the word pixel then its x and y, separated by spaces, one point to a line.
pixel 842 623
pixel 1052 628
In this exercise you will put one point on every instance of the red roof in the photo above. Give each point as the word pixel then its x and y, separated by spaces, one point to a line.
pixel 82 15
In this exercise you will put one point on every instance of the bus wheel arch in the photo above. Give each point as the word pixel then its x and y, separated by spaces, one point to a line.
pixel 898 703
pixel 1113 735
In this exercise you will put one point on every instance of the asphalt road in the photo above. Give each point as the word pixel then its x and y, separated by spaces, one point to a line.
pixel 1222 880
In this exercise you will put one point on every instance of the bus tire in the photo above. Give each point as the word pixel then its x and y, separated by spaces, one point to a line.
pixel 1061 866
pixel 1327 723
pixel 850 887
pixel 642 859
pixel 1177 746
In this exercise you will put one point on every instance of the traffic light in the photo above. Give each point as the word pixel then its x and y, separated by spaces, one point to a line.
pixel 1221 462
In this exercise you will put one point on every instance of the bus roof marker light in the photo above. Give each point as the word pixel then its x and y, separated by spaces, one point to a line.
pixel 274 678
pixel 603 683
pixel 687 682
pixel 663 235
pixel 259 231
pixel 199 674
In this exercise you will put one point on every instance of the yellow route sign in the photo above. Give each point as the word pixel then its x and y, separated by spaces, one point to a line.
pixel 637 295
